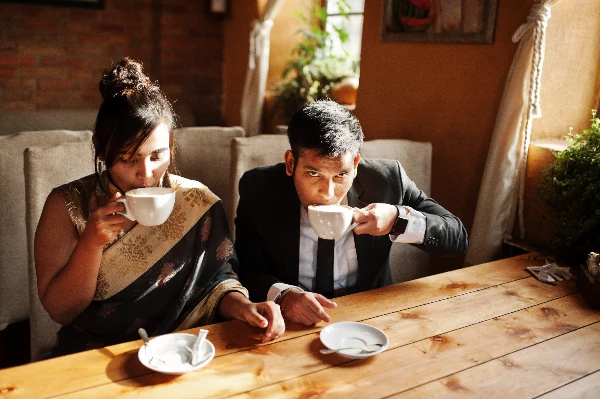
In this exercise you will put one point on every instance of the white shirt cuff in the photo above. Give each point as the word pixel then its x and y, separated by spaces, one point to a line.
pixel 415 229
pixel 277 288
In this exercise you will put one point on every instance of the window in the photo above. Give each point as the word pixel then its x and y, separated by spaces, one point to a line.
pixel 336 11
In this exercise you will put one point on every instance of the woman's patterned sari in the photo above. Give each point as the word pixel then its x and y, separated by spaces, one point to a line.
pixel 163 278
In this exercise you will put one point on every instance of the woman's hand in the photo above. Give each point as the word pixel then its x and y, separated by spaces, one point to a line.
pixel 105 224
pixel 67 265
pixel 267 314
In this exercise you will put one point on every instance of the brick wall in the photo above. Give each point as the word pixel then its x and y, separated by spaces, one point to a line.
pixel 52 56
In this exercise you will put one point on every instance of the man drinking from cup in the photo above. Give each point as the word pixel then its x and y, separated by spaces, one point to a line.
pixel 281 256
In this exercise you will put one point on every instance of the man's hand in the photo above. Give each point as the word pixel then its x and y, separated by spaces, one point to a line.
pixel 305 307
pixel 375 219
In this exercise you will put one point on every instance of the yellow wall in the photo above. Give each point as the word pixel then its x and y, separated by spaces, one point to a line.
pixel 570 86
pixel 444 93
pixel 569 90
pixel 237 30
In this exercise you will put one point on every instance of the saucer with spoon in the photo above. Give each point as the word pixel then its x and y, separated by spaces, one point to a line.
pixel 172 353
pixel 353 340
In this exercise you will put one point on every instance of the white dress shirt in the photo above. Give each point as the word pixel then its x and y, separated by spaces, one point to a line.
pixel 345 264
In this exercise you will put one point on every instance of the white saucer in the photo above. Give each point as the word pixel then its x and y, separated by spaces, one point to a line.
pixel 173 350
pixel 352 334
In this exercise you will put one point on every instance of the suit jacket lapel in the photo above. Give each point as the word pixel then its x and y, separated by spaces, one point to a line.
pixel 365 244
pixel 289 232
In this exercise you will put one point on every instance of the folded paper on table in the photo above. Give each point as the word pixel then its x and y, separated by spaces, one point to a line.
pixel 551 272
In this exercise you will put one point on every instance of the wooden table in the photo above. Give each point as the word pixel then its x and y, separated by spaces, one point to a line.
pixel 490 330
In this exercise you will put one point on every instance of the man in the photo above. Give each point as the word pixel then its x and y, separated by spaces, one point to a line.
pixel 280 256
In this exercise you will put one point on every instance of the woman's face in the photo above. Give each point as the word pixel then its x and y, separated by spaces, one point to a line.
pixel 146 166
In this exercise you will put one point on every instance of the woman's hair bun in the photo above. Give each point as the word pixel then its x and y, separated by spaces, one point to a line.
pixel 125 74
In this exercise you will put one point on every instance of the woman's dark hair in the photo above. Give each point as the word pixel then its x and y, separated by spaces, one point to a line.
pixel 325 126
pixel 132 108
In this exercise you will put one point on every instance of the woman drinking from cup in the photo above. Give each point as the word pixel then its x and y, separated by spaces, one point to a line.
pixel 104 276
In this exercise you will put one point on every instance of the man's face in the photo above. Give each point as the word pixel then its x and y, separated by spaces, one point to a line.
pixel 321 180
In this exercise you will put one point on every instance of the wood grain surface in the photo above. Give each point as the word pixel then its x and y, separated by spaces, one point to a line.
pixel 490 330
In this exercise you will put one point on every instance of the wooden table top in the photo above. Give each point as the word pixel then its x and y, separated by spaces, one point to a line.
pixel 490 330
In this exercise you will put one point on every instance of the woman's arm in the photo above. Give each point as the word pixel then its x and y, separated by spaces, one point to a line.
pixel 67 265
pixel 235 305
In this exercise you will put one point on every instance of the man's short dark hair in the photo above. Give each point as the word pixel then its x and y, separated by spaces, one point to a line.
pixel 325 126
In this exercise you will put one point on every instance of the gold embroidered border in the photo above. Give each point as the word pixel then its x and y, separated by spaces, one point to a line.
pixel 72 195
pixel 143 246
pixel 205 311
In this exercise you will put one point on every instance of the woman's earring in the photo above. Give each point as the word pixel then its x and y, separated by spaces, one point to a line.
pixel 100 165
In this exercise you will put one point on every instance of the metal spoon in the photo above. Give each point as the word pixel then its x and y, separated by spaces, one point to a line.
pixel 157 362
pixel 366 348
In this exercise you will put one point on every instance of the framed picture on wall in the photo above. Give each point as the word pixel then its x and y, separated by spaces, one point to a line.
pixel 73 3
pixel 439 21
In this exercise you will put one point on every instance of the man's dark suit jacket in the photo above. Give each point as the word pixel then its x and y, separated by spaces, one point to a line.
pixel 268 225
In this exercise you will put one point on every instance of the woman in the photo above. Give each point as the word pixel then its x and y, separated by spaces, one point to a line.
pixel 103 276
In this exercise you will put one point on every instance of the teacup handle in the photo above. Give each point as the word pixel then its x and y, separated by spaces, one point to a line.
pixel 127 212
pixel 351 227
pixel 353 224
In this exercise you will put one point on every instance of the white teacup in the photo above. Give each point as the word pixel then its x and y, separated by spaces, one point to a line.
pixel 331 221
pixel 149 206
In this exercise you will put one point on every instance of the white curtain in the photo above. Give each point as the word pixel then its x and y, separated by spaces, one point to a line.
pixel 502 186
pixel 258 68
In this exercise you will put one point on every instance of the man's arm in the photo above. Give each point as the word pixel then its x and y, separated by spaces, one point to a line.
pixel 254 263
pixel 431 227
pixel 445 232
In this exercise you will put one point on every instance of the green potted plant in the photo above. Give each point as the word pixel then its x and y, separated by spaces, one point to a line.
pixel 317 64
pixel 570 190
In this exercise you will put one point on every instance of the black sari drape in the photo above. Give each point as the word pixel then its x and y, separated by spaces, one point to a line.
pixel 140 286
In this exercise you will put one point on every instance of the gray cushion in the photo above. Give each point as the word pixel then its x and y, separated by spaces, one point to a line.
pixel 251 152
pixel 14 298
pixel 203 154
pixel 406 262
pixel 46 168
pixel 281 129
pixel 15 121
pixel 415 157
